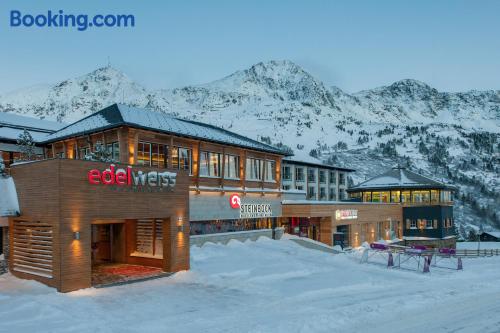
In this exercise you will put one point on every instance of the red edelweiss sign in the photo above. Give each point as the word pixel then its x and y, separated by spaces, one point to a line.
pixel 129 177
pixel 235 201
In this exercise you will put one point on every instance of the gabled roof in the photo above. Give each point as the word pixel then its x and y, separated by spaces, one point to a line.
pixel 121 115
pixel 290 160
pixel 11 125
pixel 400 178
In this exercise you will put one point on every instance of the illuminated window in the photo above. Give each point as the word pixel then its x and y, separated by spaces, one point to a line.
pixel 395 196
pixel 152 154
pixel 405 196
pixel 413 224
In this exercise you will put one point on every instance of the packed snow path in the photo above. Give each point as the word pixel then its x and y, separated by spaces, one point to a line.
pixel 267 286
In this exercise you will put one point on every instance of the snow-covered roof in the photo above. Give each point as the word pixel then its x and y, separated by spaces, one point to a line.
pixel 11 125
pixel 9 206
pixel 121 115
pixel 293 160
pixel 399 178
pixel 495 234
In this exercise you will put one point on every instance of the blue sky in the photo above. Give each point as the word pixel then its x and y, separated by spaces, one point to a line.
pixel 355 45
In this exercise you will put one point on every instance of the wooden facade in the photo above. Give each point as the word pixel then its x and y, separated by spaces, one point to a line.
pixel 371 222
pixel 51 240
pixel 128 139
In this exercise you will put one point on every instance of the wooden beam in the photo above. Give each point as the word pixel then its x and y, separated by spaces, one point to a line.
pixel 223 167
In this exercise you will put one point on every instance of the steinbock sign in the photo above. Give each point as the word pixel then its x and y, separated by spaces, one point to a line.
pixel 346 214
pixel 127 178
pixel 250 210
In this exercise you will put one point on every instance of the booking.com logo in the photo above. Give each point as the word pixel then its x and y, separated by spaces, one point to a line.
pixel 61 20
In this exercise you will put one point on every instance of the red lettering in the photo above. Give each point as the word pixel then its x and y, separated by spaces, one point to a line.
pixel 121 177
pixel 108 176
pixel 94 176
pixel 129 175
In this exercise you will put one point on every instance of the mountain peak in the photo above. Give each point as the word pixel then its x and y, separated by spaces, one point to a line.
pixel 411 83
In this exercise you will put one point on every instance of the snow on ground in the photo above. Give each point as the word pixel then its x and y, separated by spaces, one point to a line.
pixel 267 286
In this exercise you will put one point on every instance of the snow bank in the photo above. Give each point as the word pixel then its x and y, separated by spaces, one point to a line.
pixel 266 286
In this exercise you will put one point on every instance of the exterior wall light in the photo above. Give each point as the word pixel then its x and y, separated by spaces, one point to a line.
pixel 180 226
pixel 76 235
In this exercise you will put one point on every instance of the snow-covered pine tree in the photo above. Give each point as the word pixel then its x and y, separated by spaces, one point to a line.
pixel 100 153
pixel 3 172
pixel 26 146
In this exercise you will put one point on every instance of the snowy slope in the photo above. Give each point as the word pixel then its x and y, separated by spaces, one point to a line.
pixel 267 286
pixel 452 136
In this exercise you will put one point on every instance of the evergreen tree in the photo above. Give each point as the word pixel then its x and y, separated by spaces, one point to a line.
pixel 26 146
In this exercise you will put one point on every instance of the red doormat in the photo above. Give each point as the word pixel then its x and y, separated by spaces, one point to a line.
pixel 110 274
pixel 130 270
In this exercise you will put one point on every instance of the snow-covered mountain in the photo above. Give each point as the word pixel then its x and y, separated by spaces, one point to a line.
pixel 453 136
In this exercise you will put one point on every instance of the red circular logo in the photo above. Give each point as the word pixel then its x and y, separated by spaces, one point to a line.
pixel 235 201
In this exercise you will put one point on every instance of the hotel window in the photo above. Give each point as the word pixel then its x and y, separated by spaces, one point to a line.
pixel 428 224
pixel 342 194
pixel 332 194
pixel 322 176
pixel 149 238
pixel 311 192
pixel 395 196
pixel 311 175
pixel 254 169
pixel 341 178
pixel 232 167
pixel 299 188
pixel 333 177
pixel 384 196
pixel 286 187
pixel 445 196
pixel 182 159
pixel 151 154
pixel 367 196
pixel 210 164
pixel 322 193
pixel 413 224
pixel 287 173
pixel 434 196
pixel 405 196
pixel 113 150
pixel 270 175
pixel 299 174
pixel 376 196
pixel 84 152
